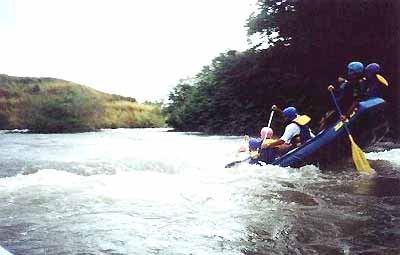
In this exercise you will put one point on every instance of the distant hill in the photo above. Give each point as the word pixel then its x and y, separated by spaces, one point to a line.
pixel 53 106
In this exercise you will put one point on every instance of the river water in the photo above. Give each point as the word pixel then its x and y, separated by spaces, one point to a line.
pixel 148 191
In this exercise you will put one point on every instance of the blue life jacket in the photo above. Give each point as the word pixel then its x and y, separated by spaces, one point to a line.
pixel 268 155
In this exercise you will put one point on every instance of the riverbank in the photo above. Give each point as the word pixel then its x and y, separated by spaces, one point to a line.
pixel 48 105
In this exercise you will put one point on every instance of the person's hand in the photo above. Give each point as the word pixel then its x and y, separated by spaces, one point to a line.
pixel 331 88
pixel 341 79
pixel 343 118
pixel 264 146
pixel 242 148
pixel 254 154
pixel 274 108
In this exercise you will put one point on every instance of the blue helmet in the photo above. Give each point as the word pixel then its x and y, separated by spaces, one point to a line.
pixel 254 143
pixel 372 69
pixel 290 113
pixel 355 68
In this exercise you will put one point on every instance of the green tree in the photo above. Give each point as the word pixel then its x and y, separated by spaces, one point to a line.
pixel 309 45
pixel 179 102
pixel 323 36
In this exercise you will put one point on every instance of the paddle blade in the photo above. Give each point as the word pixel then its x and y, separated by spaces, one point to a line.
pixel 359 159
pixel 232 164
pixel 237 162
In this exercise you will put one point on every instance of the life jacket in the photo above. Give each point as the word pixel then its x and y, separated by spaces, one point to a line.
pixel 256 152
pixel 267 141
pixel 382 80
pixel 255 157
pixel 305 133
pixel 351 91
pixel 377 86
pixel 268 155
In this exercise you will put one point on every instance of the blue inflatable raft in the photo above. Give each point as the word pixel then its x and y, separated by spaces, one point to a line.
pixel 367 126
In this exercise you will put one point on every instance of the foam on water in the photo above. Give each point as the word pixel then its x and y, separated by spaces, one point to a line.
pixel 142 202
pixel 390 155
pixel 204 211
pixel 148 192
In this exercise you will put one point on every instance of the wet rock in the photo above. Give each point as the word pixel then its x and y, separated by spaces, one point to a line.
pixel 383 146
pixel 30 171
pixel 325 249
pixel 287 184
pixel 379 251
pixel 297 197
pixel 378 187
pixel 385 167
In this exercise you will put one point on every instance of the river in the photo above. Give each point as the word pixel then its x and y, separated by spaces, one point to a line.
pixel 148 191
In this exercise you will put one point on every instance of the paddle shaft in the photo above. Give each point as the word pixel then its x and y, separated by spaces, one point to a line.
pixel 270 118
pixel 339 111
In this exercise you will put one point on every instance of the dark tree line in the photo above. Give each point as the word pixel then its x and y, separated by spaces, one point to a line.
pixel 311 42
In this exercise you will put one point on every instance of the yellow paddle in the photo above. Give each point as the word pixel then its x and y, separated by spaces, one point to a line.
pixel 359 159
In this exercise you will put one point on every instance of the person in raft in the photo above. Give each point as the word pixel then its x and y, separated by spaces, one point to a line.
pixel 267 154
pixel 351 91
pixel 376 83
pixel 296 132
pixel 348 94
pixel 259 155
pixel 244 147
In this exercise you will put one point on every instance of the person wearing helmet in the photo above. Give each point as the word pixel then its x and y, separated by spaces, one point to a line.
pixel 376 83
pixel 258 154
pixel 244 147
pixel 254 150
pixel 267 155
pixel 351 91
pixel 296 132
pixel 266 133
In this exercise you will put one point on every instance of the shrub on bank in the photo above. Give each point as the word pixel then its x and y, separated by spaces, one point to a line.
pixel 69 111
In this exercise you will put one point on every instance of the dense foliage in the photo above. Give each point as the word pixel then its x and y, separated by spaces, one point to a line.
pixel 305 45
pixel 49 105
pixel 67 110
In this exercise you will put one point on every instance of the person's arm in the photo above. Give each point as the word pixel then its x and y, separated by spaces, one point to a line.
pixel 352 108
pixel 290 131
pixel 362 95
pixel 273 144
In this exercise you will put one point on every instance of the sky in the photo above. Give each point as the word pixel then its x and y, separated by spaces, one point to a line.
pixel 137 48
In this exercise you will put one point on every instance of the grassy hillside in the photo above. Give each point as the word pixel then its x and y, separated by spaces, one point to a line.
pixel 54 105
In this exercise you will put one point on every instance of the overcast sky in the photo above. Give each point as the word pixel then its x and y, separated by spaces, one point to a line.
pixel 138 48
